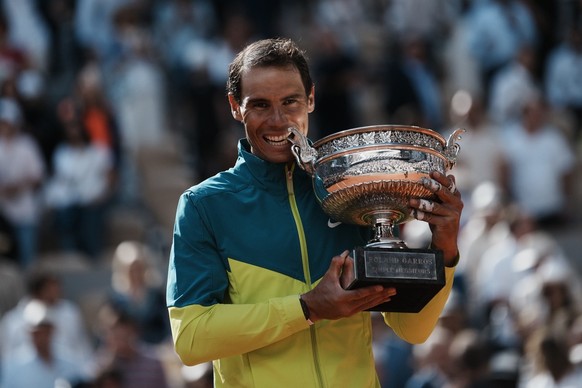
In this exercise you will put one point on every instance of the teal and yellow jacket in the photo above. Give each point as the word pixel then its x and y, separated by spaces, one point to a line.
pixel 247 242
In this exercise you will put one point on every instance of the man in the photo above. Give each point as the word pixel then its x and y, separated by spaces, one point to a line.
pixel 256 277
pixel 39 366
pixel 22 172
pixel 123 356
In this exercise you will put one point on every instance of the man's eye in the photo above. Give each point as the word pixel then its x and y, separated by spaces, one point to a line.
pixel 260 105
pixel 291 101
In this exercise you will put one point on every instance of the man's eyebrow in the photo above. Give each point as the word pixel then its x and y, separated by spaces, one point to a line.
pixel 255 100
pixel 294 95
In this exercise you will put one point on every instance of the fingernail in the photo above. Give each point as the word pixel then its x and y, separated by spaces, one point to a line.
pixel 345 254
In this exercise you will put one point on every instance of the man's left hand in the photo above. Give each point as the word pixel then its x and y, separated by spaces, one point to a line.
pixel 443 215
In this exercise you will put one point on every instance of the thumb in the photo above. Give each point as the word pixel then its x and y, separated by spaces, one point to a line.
pixel 348 274
pixel 337 263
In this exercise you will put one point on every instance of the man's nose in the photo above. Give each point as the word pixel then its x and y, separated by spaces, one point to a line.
pixel 278 115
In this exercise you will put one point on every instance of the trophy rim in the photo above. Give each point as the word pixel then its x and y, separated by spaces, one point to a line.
pixel 380 128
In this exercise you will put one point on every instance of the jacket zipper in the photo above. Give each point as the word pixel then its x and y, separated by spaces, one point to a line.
pixel 304 260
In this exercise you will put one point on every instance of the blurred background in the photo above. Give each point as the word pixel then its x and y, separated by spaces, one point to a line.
pixel 110 109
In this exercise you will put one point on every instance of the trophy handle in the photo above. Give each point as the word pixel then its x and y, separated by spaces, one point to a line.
pixel 303 152
pixel 452 147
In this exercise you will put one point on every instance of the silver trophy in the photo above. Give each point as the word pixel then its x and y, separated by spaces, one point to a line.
pixel 366 176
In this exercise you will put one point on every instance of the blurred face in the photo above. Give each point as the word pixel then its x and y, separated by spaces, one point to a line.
pixel 41 338
pixel 272 100
pixel 122 339
pixel 534 115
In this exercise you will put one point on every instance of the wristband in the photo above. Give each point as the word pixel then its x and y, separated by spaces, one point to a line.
pixel 306 312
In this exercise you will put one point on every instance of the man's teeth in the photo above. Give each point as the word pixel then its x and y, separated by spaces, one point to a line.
pixel 277 140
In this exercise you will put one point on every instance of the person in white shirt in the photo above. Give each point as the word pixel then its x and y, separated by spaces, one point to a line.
pixel 540 165
pixel 40 367
pixel 70 335
pixel 511 87
pixel 78 190
pixel 22 172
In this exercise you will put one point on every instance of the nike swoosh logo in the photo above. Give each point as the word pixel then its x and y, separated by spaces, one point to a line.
pixel 333 224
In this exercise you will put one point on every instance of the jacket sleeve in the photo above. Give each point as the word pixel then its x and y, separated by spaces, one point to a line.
pixel 415 328
pixel 204 325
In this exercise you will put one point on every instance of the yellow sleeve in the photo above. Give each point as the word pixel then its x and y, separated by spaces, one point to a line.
pixel 208 333
pixel 417 327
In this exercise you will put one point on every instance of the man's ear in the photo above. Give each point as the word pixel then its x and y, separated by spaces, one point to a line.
pixel 235 108
pixel 311 100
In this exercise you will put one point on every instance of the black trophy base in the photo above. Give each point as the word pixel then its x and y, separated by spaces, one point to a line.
pixel 417 274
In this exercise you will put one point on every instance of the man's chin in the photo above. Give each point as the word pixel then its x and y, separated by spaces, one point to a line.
pixel 280 157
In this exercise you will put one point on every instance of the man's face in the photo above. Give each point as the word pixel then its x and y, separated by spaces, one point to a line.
pixel 272 100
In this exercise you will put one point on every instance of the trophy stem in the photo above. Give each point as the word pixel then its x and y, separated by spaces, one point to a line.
pixel 384 236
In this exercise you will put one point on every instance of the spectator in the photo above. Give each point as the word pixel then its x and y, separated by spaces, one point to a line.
pixel 470 357
pixel 497 29
pixel 433 363
pixel 485 227
pixel 495 276
pixel 69 336
pixel 413 87
pixel 28 31
pixel 551 365
pixel 210 143
pixel 540 164
pixel 137 290
pixel 12 58
pixel 122 351
pixel 563 79
pixel 512 86
pixel 136 85
pixel 335 71
pixel 42 367
pixel 21 174
pixel 549 290
pixel 91 106
pixel 481 157
pixel 78 191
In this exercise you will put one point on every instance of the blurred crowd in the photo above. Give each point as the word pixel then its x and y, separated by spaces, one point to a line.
pixel 88 86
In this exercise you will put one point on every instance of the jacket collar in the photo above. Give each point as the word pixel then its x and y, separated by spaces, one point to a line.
pixel 264 173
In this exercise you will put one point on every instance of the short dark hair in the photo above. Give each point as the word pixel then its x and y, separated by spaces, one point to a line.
pixel 279 52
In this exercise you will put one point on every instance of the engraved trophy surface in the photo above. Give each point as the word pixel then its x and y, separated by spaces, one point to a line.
pixel 365 176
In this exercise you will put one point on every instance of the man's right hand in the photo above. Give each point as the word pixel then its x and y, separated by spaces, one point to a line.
pixel 330 300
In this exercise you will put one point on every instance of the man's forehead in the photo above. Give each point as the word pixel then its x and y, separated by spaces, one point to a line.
pixel 271 82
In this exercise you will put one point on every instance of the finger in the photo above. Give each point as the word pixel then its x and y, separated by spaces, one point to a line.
pixel 426 205
pixel 336 269
pixel 443 186
pixel 448 181
pixel 337 262
pixel 348 274
pixel 431 184
pixel 370 294
pixel 452 187
pixel 376 299
pixel 420 215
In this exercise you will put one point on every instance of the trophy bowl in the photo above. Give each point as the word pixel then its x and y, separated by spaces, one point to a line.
pixel 366 176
